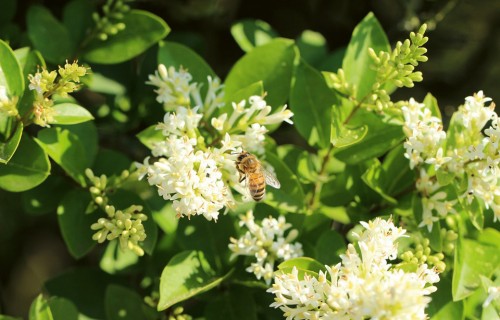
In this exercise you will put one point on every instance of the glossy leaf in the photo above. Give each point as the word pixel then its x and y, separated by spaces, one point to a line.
pixel 186 275
pixel 70 113
pixel 48 35
pixel 472 259
pixel 143 29
pixel 40 310
pixel 233 304
pixel 376 178
pixel 87 290
pixel 290 196
pixel 329 246
pixel 251 33
pixel 122 303
pixel 41 200
pixel 442 306
pixel 178 55
pixel 28 167
pixel 431 103
pixel 75 222
pixel 63 309
pixel 11 75
pixel 399 176
pixel 272 64
pixel 311 102
pixel 357 63
pixel 77 18
pixel 150 136
pixel 9 147
pixel 304 265
pixel 312 46
pixel 72 147
pixel 115 260
pixel 381 137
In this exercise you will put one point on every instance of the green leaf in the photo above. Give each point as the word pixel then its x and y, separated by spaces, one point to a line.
pixel 237 303
pixel 186 275
pixel 442 307
pixel 85 287
pixel 312 46
pixel 143 29
pixel 375 177
pixel 311 102
pixel 77 18
pixel 9 147
pixel 54 308
pixel 342 136
pixel 150 136
pixel 329 246
pixel 272 64
pixel 122 303
pixel 250 33
pixel 40 310
pixel 357 63
pixel 472 259
pixel 178 55
pixel 115 260
pixel 72 147
pixel 401 176
pixel 290 196
pixel 193 234
pixel 70 113
pixel 304 265
pixel 110 162
pixel 11 75
pixel 75 222
pixel 28 167
pixel 48 35
pixel 41 200
pixel 431 103
pixel 63 309
pixel 381 137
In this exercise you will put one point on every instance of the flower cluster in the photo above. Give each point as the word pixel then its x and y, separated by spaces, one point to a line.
pixel 194 161
pixel 125 225
pixel 46 84
pixel 363 286
pixel 469 149
pixel 8 105
pixel 267 243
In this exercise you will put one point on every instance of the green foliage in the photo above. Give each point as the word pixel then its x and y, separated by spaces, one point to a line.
pixel 345 160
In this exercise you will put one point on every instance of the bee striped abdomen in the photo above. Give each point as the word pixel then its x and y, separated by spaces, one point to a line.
pixel 257 186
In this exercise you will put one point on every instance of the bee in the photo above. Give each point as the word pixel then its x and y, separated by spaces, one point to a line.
pixel 251 170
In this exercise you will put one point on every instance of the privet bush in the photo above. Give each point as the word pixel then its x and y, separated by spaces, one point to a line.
pixel 382 213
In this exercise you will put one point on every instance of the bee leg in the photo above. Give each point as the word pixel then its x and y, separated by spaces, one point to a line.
pixel 242 177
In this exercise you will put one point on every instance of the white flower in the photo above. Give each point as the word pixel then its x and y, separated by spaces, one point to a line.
pixel 493 294
pixel 439 160
pixel 363 286
pixel 173 87
pixel 267 243
pixel 191 179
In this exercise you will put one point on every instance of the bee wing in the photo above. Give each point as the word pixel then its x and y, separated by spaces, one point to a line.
pixel 271 179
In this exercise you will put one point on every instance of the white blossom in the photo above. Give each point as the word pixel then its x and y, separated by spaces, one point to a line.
pixel 363 286
pixel 493 294
pixel 267 243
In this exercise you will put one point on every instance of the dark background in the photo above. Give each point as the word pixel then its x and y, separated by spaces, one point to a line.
pixel 463 58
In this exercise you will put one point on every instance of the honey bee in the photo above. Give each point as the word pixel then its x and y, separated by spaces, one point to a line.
pixel 256 176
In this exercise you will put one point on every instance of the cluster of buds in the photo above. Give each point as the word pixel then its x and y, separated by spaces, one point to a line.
pixel 422 254
pixel 102 185
pixel 126 226
pixel 47 83
pixel 110 23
